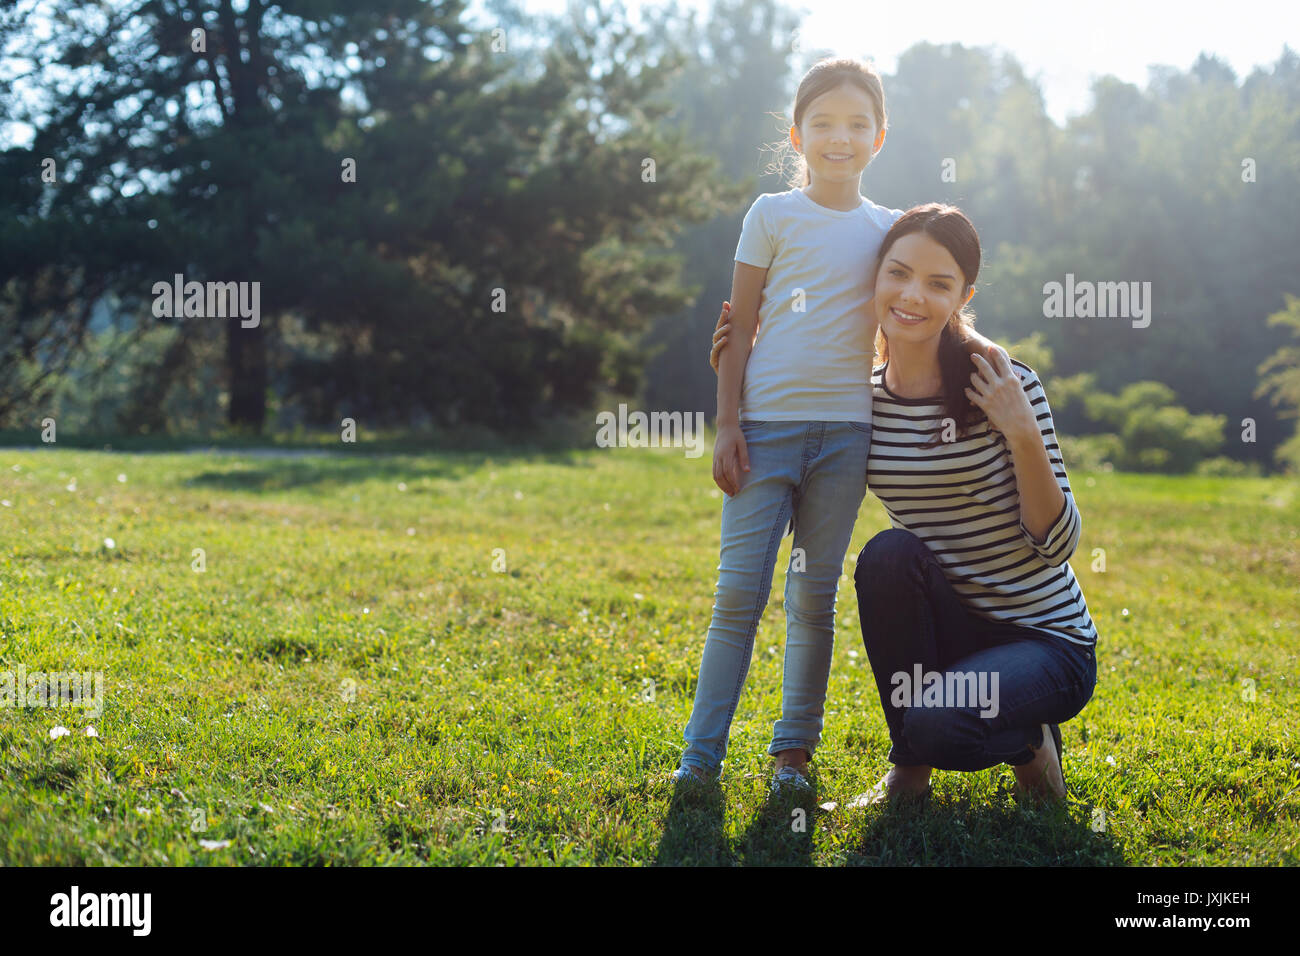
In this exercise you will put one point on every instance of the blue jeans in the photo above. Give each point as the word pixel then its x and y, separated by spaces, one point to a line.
pixel 913 622
pixel 812 474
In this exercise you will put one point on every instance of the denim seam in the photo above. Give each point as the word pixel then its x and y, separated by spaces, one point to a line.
pixel 789 744
pixel 810 454
pixel 769 568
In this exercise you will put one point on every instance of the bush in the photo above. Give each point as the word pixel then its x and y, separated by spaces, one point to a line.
pixel 1090 452
pixel 1154 433
pixel 1224 467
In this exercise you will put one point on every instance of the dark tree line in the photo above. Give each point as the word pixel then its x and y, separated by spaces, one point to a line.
pixel 499 223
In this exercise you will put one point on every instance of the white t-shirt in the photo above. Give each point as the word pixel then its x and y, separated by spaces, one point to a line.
pixel 812 358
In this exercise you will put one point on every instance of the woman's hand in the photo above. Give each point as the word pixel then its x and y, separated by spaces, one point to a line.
pixel 996 389
pixel 720 335
pixel 730 458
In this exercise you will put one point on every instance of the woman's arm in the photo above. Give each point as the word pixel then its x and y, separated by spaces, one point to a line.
pixel 1049 517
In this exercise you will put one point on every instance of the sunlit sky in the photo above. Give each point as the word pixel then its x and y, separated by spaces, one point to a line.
pixel 1064 46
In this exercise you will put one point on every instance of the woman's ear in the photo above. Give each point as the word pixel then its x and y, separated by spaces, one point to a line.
pixel 880 142
pixel 969 296
pixel 794 139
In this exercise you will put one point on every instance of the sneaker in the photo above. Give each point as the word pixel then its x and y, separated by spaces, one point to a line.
pixel 790 780
pixel 687 774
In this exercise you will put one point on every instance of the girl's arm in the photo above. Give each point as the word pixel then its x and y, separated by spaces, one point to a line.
pixel 730 454
pixel 746 296
pixel 977 340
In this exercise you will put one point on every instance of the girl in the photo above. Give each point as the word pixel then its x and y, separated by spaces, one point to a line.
pixel 971 584
pixel 794 416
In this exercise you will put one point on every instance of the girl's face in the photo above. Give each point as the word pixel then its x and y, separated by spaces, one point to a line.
pixel 918 288
pixel 838 135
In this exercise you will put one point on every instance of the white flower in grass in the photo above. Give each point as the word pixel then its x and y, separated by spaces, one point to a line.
pixel 829 806
pixel 401 486
pixel 214 844
pixel 1110 760
pixel 72 485
pixel 57 732
pixel 92 732
pixel 122 478
pixel 639 597
pixel 265 808
pixel 110 543
pixel 6 502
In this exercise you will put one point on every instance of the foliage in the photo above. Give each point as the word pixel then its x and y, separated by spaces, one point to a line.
pixel 1280 379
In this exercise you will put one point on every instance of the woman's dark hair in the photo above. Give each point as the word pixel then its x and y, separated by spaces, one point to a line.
pixel 950 227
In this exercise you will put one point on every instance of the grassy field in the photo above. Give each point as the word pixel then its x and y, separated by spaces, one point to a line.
pixel 470 659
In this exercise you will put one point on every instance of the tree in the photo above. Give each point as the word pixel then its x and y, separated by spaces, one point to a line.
pixel 1280 379
pixel 494 257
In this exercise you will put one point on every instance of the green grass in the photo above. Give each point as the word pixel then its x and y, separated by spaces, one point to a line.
pixel 351 680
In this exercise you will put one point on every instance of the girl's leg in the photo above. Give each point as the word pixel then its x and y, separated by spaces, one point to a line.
pixel 826 501
pixel 752 524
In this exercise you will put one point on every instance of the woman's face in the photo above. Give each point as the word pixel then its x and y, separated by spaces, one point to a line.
pixel 838 134
pixel 918 288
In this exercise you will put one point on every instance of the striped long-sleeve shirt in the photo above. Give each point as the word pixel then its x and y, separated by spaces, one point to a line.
pixel 960 498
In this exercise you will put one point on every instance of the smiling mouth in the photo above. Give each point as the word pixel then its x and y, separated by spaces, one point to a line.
pixel 907 318
pixel 837 157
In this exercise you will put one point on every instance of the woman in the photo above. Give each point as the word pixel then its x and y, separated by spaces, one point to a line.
pixel 976 629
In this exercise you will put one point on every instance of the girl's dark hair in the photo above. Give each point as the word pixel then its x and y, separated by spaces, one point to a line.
pixel 826 75
pixel 950 227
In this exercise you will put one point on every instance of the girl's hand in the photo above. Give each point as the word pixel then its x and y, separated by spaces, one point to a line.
pixel 720 335
pixel 998 392
pixel 730 458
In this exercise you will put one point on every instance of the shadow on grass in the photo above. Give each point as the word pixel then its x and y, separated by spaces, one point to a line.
pixel 693 830
pixel 940 830
pixel 781 832
pixel 946 831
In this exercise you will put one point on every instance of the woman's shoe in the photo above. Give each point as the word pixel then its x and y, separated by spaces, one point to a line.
pixel 1055 730
pixel 1060 753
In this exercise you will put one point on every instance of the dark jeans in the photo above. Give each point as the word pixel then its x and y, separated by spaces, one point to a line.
pixel 912 616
